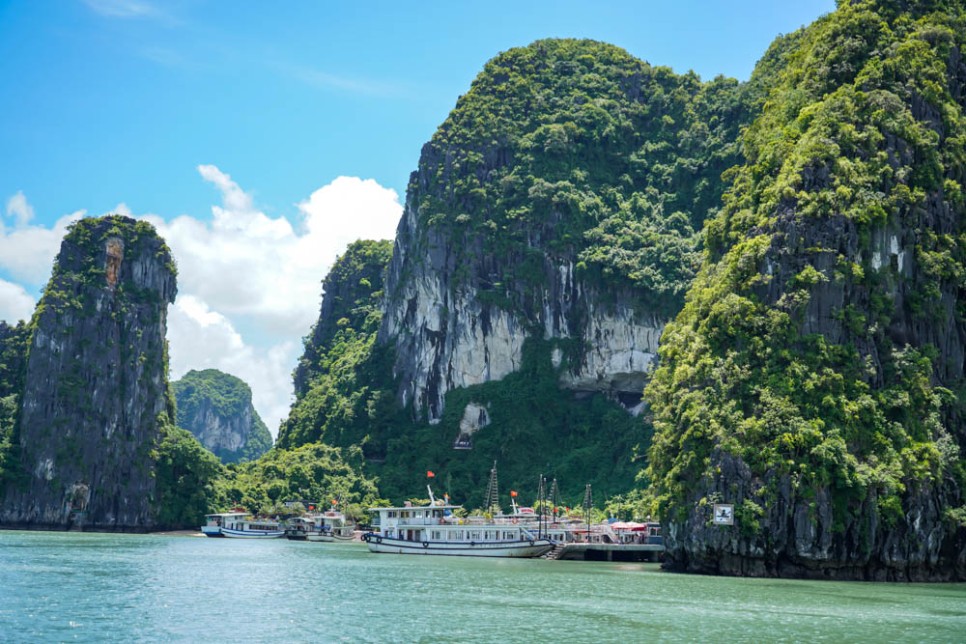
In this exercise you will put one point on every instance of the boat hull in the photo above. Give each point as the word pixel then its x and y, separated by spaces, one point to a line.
pixel 323 538
pixel 252 534
pixel 211 531
pixel 521 549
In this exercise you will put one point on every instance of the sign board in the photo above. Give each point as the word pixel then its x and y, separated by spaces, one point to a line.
pixel 724 514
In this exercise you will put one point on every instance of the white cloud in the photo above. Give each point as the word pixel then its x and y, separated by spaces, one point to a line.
pixel 250 285
pixel 27 251
pixel 15 303
pixel 18 207
pixel 246 263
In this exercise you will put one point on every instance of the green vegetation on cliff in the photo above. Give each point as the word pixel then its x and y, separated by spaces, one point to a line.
pixel 822 342
pixel 339 378
pixel 187 475
pixel 534 427
pixel 217 407
pixel 14 341
pixel 590 153
pixel 316 473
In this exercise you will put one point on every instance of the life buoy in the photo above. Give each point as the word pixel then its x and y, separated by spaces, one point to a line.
pixel 425 544
pixel 531 542
pixel 378 539
pixel 472 543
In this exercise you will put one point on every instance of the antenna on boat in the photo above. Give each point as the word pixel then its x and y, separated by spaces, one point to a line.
pixel 588 502
pixel 432 499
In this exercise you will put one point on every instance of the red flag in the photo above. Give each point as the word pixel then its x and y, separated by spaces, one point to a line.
pixel 311 507
pixel 429 474
pixel 513 492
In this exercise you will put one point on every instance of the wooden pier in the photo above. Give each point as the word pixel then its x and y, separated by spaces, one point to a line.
pixel 608 552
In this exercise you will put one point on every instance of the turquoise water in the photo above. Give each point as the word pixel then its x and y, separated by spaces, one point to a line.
pixel 147 588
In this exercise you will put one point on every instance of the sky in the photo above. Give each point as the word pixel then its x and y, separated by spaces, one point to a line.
pixel 261 138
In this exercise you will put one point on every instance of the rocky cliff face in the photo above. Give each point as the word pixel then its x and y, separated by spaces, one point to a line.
pixel 815 379
pixel 447 336
pixel 217 409
pixel 95 390
pixel 554 203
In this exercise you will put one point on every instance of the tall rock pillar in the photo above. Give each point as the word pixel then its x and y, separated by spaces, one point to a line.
pixel 95 393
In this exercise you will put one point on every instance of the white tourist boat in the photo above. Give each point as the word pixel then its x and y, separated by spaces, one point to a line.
pixel 434 529
pixel 335 526
pixel 325 527
pixel 239 524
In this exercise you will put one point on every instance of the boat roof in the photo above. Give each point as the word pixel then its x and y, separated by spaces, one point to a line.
pixel 229 514
pixel 418 507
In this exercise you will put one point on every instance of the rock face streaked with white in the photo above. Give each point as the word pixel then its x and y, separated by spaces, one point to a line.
pixel 448 334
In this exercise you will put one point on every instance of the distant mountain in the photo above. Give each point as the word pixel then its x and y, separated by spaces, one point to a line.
pixel 217 409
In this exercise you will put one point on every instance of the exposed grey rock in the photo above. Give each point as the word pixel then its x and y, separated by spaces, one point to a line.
pixel 447 336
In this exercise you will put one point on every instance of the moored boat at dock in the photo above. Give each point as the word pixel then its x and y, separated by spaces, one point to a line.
pixel 240 524
pixel 434 530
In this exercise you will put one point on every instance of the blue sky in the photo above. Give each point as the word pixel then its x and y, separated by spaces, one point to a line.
pixel 229 125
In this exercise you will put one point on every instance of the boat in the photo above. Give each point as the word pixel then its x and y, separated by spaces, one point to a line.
pixel 299 528
pixel 325 527
pixel 240 524
pixel 435 529
pixel 335 524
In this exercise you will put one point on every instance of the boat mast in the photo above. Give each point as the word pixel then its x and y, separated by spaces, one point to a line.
pixel 542 500
pixel 492 500
pixel 554 498
pixel 588 502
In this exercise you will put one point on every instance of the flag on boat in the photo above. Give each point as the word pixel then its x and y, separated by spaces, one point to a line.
pixel 513 492
pixel 429 474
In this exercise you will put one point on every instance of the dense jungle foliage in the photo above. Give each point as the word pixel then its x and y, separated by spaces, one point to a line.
pixel 227 397
pixel 13 363
pixel 589 154
pixel 535 428
pixel 310 474
pixel 187 475
pixel 339 379
pixel 823 337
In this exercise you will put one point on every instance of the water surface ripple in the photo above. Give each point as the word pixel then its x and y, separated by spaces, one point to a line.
pixel 157 588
